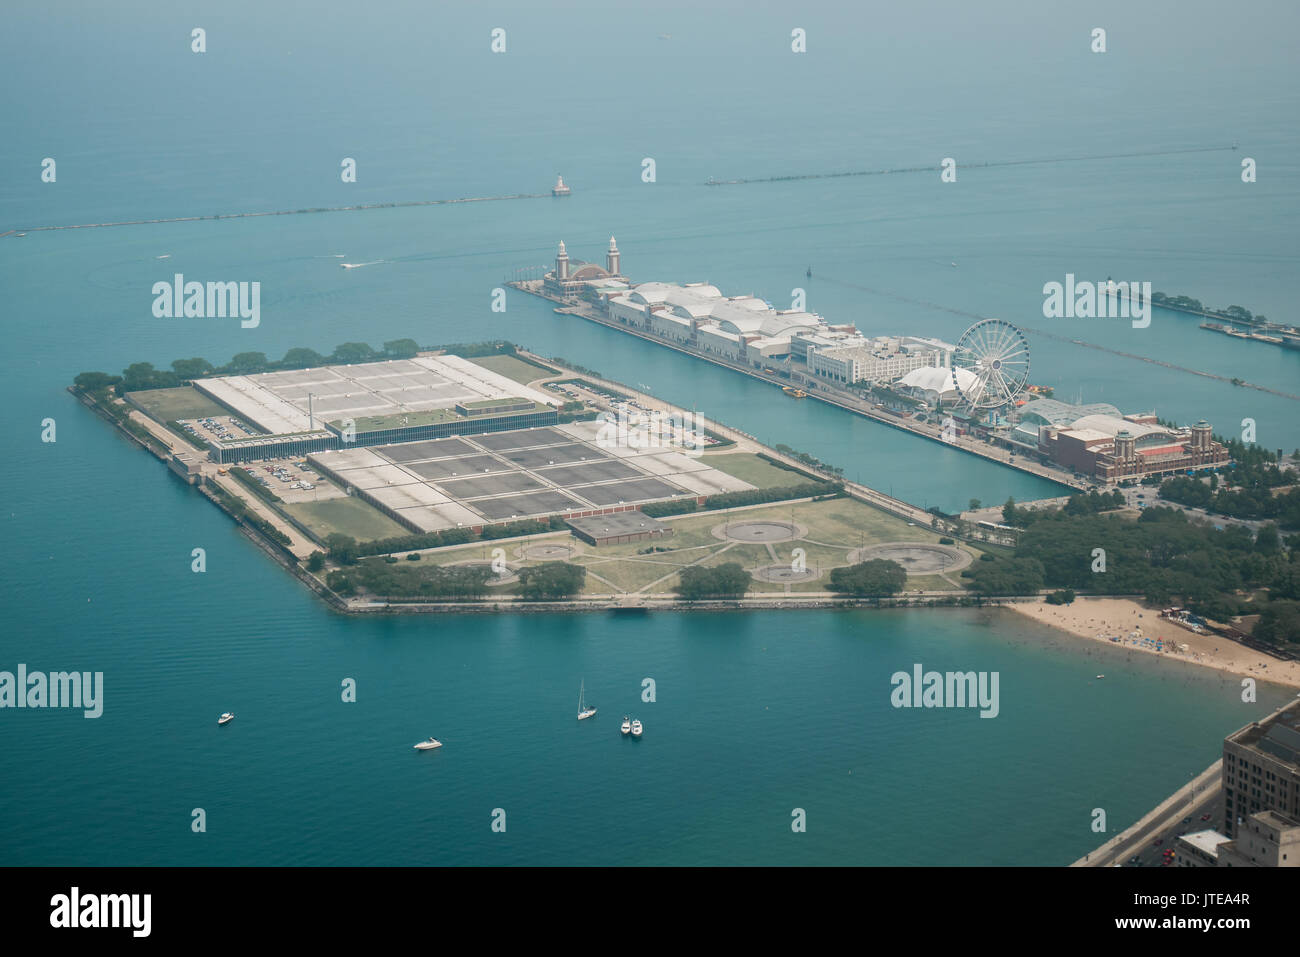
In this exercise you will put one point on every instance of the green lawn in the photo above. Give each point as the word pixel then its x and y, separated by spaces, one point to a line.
pixel 168 405
pixel 350 515
pixel 511 368
pixel 835 527
pixel 748 467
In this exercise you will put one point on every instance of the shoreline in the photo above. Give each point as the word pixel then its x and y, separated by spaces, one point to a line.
pixel 1101 619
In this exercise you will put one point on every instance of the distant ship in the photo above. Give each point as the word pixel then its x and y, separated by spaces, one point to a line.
pixel 636 728
pixel 559 189
pixel 583 711
pixel 226 718
pixel 428 745
pixel 627 725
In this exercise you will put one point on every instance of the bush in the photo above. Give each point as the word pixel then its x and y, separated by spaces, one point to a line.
pixel 413 557
pixel 551 580
pixel 729 580
pixel 1063 597
pixel 878 578
pixel 947 541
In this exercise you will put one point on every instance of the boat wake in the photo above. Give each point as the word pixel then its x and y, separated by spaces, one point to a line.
pixel 359 265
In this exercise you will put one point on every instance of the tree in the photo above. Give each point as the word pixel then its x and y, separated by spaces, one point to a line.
pixel 94 381
pixel 189 369
pixel 142 375
pixel 877 578
pixel 1267 540
pixel 353 352
pixel 301 358
pixel 974 504
pixel 342 548
pixel 1008 576
pixel 247 363
pixel 401 349
pixel 551 580
pixel 1279 623
pixel 315 561
pixel 729 580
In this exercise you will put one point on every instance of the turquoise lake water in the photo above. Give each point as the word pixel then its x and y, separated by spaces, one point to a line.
pixel 756 713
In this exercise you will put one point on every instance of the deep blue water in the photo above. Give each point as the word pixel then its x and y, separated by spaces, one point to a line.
pixel 757 713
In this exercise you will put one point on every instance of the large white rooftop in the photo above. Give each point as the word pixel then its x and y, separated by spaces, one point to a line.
pixel 278 402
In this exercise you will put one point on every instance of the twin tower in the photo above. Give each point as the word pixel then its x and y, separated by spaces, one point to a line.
pixel 562 261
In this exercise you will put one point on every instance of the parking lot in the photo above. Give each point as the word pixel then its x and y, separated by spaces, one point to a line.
pixel 292 479
pixel 218 428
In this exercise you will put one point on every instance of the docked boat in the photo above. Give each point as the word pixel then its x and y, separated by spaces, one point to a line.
pixel 226 718
pixel 636 728
pixel 428 745
pixel 793 392
pixel 627 725
pixel 583 711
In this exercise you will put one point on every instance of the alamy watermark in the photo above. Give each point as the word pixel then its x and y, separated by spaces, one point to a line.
pixel 58 689
pixel 1098 300
pixel 214 300
pixel 75 909
pixel 681 432
pixel 953 689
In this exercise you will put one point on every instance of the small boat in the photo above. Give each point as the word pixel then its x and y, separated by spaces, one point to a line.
pixel 1101 676
pixel 636 728
pixel 428 745
pixel 226 718
pixel 583 711
pixel 627 725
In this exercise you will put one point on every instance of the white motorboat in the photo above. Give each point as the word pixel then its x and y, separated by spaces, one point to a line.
pixel 636 728
pixel 428 745
pixel 583 710
pixel 627 725
pixel 226 718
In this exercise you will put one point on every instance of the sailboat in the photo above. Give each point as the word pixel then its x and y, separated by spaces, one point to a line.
pixel 583 710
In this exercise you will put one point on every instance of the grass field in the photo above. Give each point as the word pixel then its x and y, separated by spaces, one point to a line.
pixel 835 528
pixel 351 516
pixel 168 405
pixel 748 467
pixel 511 368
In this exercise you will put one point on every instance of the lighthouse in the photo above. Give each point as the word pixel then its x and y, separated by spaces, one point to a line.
pixel 559 189
pixel 611 258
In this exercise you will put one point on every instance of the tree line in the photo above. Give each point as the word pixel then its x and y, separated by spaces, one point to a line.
pixel 1161 556
pixel 141 376
pixel 549 581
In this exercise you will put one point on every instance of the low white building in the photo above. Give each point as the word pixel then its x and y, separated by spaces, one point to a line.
pixel 934 385
pixel 882 359
pixel 748 329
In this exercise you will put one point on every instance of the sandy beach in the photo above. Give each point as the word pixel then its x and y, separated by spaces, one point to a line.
pixel 1142 629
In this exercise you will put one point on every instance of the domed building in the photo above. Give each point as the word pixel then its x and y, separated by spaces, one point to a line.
pixel 1114 449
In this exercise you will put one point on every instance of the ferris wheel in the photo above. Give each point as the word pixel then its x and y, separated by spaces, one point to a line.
pixel 990 365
